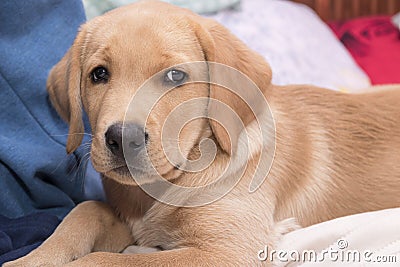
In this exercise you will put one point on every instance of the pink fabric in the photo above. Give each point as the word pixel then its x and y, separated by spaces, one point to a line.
pixel 374 42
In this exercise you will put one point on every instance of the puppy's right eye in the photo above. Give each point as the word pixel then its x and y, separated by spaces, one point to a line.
pixel 99 74
pixel 175 77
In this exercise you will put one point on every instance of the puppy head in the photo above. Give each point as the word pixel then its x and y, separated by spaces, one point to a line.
pixel 114 55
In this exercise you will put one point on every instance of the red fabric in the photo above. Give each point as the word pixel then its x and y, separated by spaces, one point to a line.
pixel 374 42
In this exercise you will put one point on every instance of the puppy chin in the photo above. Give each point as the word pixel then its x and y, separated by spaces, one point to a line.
pixel 121 175
pixel 132 176
pixel 152 176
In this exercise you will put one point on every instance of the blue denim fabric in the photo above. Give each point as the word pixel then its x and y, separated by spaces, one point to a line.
pixel 21 235
pixel 36 174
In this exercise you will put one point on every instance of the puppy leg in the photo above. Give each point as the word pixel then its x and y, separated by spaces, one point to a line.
pixel 176 257
pixel 91 226
pixel 189 256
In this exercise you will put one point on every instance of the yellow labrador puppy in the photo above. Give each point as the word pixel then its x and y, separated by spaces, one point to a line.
pixel 322 154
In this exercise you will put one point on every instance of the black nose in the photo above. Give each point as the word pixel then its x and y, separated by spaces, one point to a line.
pixel 134 137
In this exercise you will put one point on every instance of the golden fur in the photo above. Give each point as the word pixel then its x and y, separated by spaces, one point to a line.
pixel 336 154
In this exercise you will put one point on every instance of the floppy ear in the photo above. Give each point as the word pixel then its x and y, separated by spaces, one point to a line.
pixel 221 46
pixel 64 87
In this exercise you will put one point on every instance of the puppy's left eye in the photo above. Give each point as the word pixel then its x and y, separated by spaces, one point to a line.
pixel 175 76
pixel 99 74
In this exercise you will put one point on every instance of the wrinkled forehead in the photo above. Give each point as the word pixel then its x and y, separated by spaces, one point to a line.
pixel 141 40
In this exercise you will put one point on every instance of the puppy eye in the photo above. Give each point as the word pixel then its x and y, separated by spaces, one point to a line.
pixel 99 74
pixel 175 76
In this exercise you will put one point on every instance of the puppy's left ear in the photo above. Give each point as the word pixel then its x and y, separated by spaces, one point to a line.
pixel 219 45
pixel 64 87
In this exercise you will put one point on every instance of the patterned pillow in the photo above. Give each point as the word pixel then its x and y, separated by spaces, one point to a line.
pixel 298 45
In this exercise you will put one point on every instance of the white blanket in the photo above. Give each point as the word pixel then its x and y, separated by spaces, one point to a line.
pixel 367 239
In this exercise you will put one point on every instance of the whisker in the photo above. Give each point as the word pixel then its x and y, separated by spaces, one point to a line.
pixel 83 160
pixel 82 172
pixel 87 145
pixel 59 164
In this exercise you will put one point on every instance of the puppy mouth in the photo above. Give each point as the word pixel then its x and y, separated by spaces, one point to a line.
pixel 132 172
pixel 122 170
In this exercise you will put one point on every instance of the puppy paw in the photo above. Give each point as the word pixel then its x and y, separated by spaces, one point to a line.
pixel 286 226
pixel 281 228
pixel 23 262
pixel 35 259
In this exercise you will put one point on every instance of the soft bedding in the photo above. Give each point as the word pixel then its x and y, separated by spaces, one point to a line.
pixel 299 47
pixel 366 239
